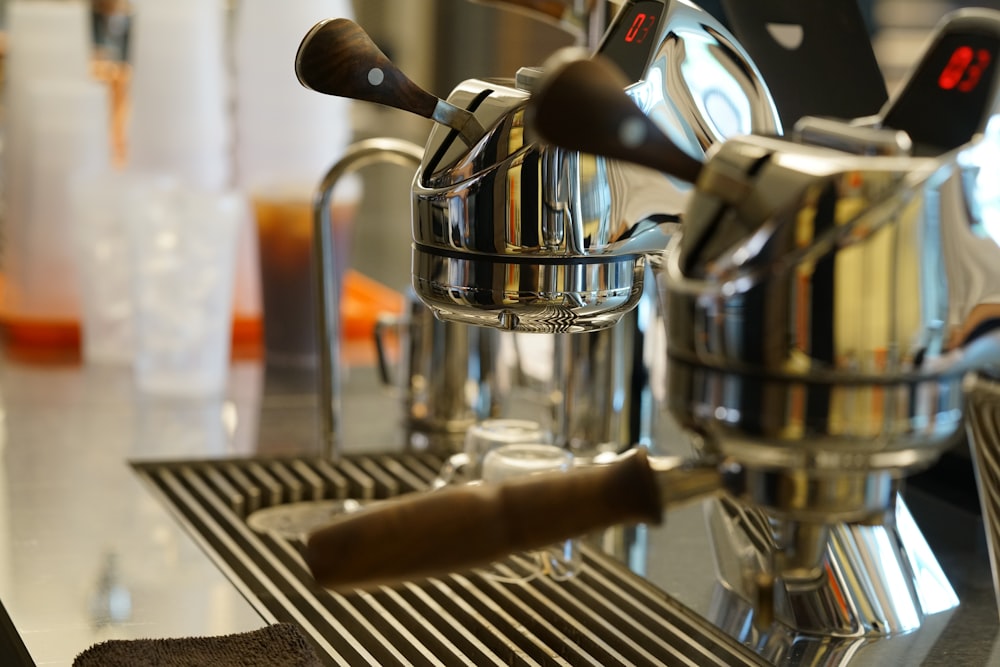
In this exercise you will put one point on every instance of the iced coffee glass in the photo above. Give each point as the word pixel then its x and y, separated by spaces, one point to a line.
pixel 285 222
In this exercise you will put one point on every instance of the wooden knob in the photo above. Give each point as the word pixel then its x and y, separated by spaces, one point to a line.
pixel 457 528
pixel 582 105
pixel 337 57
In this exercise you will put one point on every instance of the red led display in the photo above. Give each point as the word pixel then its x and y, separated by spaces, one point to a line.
pixel 964 69
pixel 639 28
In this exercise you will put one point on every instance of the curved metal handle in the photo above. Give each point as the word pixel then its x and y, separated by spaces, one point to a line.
pixel 357 155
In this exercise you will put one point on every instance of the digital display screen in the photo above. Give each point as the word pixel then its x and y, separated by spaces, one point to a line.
pixel 633 36
pixel 965 68
pixel 949 96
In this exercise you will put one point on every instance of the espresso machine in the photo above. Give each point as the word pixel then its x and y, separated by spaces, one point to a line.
pixel 827 299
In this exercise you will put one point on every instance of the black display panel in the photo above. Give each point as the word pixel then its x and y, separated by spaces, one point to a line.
pixel 949 97
pixel 630 41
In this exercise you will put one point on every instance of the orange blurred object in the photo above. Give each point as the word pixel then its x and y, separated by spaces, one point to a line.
pixel 363 300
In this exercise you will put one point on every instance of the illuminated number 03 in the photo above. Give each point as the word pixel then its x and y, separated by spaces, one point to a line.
pixel 639 28
pixel 964 69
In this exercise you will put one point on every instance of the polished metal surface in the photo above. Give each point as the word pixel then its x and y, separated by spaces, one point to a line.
pixel 448 374
pixel 878 579
pixel 513 235
pixel 983 395
pixel 601 384
pixel 819 337
pixel 823 306
pixel 806 320
pixel 356 156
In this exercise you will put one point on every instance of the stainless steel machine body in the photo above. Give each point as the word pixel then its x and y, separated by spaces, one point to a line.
pixel 824 301
pixel 817 313
pixel 508 233
pixel 828 298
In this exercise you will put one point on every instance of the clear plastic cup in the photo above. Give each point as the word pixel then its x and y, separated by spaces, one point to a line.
pixel 183 248
pixel 489 434
pixel 467 466
pixel 559 561
pixel 103 258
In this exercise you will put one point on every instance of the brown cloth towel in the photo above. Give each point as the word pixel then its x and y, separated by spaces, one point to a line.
pixel 281 645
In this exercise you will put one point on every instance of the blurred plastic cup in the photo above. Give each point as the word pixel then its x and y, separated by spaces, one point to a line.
pixel 558 561
pixel 56 125
pixel 179 116
pixel 285 133
pixel 489 434
pixel 467 466
pixel 103 258
pixel 183 249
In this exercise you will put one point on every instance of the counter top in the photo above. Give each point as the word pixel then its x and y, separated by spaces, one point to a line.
pixel 88 554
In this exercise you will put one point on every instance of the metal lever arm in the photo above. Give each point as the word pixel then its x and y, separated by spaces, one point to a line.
pixel 337 57
pixel 582 105
pixel 460 527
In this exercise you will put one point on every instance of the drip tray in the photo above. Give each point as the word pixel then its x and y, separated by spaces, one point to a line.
pixel 606 615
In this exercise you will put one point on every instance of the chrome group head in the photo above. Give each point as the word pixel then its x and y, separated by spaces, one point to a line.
pixel 514 234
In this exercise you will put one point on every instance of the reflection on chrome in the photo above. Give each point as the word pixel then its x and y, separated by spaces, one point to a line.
pixel 515 235
pixel 824 305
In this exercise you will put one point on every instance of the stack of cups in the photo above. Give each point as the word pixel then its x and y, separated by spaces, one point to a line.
pixel 179 121
pixel 57 126
pixel 158 242
pixel 287 137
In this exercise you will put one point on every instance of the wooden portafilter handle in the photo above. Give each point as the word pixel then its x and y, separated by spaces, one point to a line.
pixel 457 528
pixel 337 57
pixel 582 105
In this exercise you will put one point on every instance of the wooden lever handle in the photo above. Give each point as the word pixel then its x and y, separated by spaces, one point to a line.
pixel 337 57
pixel 582 105
pixel 457 528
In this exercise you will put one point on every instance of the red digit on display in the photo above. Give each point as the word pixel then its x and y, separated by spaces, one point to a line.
pixel 634 28
pixel 953 72
pixel 975 71
pixel 645 29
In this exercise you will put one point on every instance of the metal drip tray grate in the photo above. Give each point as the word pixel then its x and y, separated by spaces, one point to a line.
pixel 606 615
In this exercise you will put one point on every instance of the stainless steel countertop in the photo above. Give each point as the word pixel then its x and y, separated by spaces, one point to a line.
pixel 88 554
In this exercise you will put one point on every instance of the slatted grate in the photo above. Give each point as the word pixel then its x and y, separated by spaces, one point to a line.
pixel 606 615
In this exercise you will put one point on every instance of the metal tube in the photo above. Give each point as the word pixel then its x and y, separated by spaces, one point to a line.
pixel 326 274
